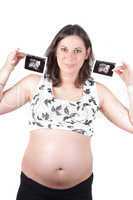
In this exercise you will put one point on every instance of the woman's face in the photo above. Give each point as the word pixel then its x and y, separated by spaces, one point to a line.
pixel 71 54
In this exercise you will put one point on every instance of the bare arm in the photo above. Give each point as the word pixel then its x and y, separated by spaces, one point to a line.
pixel 12 60
pixel 20 93
pixel 113 109
pixel 130 95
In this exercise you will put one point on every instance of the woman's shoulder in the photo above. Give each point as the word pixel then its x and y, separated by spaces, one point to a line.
pixel 34 77
pixel 32 81
pixel 103 92
pixel 101 87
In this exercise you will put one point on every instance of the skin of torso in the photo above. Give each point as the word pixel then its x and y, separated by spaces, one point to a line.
pixel 58 158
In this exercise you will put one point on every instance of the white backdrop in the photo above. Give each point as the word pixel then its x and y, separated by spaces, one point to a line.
pixel 31 25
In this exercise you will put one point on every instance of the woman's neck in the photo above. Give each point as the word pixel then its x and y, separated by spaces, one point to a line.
pixel 68 81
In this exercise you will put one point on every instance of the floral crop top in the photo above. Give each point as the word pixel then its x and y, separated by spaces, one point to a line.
pixel 47 111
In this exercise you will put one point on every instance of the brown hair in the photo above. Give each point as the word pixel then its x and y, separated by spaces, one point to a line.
pixel 52 70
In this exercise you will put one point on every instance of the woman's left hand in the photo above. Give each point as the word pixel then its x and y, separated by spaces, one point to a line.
pixel 125 72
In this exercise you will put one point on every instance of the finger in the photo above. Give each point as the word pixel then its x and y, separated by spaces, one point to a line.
pixel 121 67
pixel 119 72
pixel 20 55
pixel 118 69
pixel 17 52
pixel 127 66
pixel 124 65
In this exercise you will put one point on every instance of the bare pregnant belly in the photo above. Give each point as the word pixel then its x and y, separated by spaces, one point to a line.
pixel 57 159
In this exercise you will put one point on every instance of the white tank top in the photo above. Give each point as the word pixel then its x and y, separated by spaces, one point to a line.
pixel 47 111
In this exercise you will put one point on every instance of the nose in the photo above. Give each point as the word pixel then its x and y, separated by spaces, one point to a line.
pixel 70 55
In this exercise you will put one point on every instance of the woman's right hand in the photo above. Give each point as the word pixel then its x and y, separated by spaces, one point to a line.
pixel 13 59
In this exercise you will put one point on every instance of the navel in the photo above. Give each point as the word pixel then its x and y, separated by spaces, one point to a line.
pixel 60 169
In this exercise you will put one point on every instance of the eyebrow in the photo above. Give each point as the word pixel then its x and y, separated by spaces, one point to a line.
pixel 74 48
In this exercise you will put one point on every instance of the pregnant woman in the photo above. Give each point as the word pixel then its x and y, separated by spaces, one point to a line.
pixel 64 101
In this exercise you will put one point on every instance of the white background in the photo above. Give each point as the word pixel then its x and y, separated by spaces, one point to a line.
pixel 31 25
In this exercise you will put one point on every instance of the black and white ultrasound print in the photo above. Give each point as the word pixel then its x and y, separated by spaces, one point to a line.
pixel 104 67
pixel 35 63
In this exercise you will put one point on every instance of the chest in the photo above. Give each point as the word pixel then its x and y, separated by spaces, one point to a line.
pixel 58 104
pixel 68 94
pixel 47 107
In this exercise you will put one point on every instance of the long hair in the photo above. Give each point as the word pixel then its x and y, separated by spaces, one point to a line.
pixel 53 71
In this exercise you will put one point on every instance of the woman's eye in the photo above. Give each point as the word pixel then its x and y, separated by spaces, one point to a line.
pixel 77 51
pixel 64 49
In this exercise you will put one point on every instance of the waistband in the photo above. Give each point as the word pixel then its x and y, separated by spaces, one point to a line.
pixel 81 188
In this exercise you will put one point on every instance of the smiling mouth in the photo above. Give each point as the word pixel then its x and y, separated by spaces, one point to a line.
pixel 69 65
